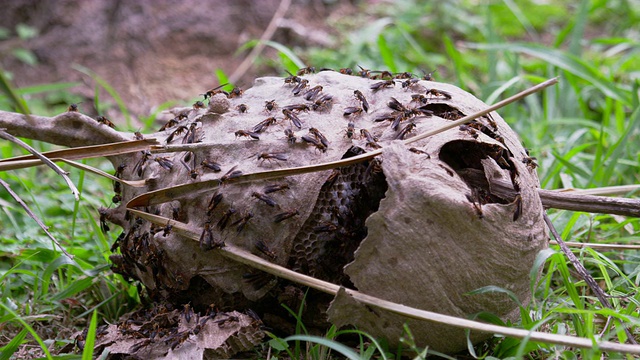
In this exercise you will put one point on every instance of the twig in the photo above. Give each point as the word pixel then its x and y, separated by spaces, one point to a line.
pixel 49 163
pixel 590 203
pixel 268 33
pixel 575 200
pixel 606 190
pixel 33 216
pixel 591 282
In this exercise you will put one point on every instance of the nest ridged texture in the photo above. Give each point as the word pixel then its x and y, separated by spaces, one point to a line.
pixel 420 225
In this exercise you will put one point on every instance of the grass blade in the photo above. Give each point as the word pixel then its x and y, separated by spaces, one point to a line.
pixel 565 61
pixel 114 94
pixel 17 100
pixel 336 346
pixel 87 352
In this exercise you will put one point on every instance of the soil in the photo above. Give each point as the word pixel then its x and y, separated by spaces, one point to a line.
pixel 153 52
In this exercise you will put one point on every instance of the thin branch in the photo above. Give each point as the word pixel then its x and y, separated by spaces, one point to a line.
pixel 590 203
pixel 575 200
pixel 67 128
pixel 44 159
pixel 34 217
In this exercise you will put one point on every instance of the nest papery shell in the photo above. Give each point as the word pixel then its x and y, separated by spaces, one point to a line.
pixel 426 245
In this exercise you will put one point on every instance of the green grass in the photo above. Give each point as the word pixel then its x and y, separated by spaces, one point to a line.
pixel 584 133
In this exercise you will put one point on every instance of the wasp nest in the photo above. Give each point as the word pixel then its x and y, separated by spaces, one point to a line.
pixel 420 225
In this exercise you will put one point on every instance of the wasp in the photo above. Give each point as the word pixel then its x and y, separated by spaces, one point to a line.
pixel 193 171
pixel 403 75
pixel 319 136
pixel 409 83
pixel 176 132
pixel 292 79
pixel 307 70
pixel 471 131
pixel 288 114
pixel 275 187
pixel 176 213
pixel 351 128
pixel 385 117
pixel 169 124
pixel 332 178
pixel 191 135
pixel 166 230
pixel 418 151
pixel 187 313
pixel 419 98
pixel 491 121
pixel 214 91
pixel 216 199
pixel 211 165
pixel 300 86
pixel 263 248
pixel 73 108
pixel 266 199
pixel 325 226
pixel 207 240
pixel 270 105
pixel 362 99
pixel 242 222
pixel 371 140
pixel 396 105
pixel 223 322
pixel 224 220
pixel 322 103
pixel 346 71
pixel 262 125
pixel 198 105
pixel 235 92
pixel 273 156
pixel 365 73
pixel 530 161
pixel 103 220
pixel 383 75
pixel 312 93
pixel 101 120
pixel 428 76
pixel 439 93
pixel 242 108
pixel 137 135
pixel 382 84
pixel 138 168
pixel 297 107
pixel 314 141
pixel 352 110
pixel 285 215
pixel 231 174
pixel 117 186
pixel 164 162
pixel 250 134
pixel 518 210
pixel 291 137
pixel 406 130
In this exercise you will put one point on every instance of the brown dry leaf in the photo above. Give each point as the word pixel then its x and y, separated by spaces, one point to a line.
pixel 220 336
